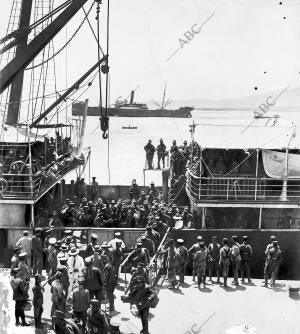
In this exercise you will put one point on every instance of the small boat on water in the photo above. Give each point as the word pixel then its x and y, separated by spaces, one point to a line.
pixel 129 127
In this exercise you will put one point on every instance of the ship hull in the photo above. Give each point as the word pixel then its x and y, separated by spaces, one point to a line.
pixel 77 110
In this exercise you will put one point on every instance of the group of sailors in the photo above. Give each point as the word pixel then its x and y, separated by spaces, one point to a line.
pixel 81 279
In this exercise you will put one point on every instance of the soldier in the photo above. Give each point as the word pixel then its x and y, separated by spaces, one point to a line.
pixel 97 322
pixel 93 280
pixel 37 252
pixel 173 147
pixel 154 190
pixel 151 234
pixel 246 255
pixel 24 272
pixel 272 264
pixel 161 153
pixel 63 268
pixel 20 296
pixel 116 255
pixel 109 282
pixel 94 187
pixel 139 254
pixel 214 257
pixel 62 325
pixel 81 302
pixel 225 260
pixel 97 259
pixel 193 250
pixel 150 150
pixel 38 300
pixel 15 260
pixel 200 260
pixel 25 243
pixel 148 244
pixel 173 260
pixel 134 190
pixel 90 247
pixel 58 297
pixel 236 259
pixel 63 253
pixel 186 149
pixel 183 252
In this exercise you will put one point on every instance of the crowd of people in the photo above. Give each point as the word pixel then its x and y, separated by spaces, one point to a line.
pixel 133 212
pixel 82 279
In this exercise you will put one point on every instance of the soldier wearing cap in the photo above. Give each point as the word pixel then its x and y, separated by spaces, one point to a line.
pixel 75 263
pixel 154 190
pixel 213 259
pixel 225 259
pixel 139 254
pixel 201 260
pixel 134 190
pixel 15 260
pixel 172 262
pixel 183 252
pixel 25 243
pixel 153 236
pixel 116 257
pixel 148 244
pixel 24 272
pixel 81 302
pixel 236 259
pixel 93 279
pixel 90 247
pixel 246 255
pixel 109 280
pixel 58 297
pixel 161 153
pixel 20 296
pixel 63 268
pixel 272 263
pixel 97 259
pixel 192 251
pixel 38 300
pixel 97 322
pixel 94 188
pixel 61 325
pixel 37 252
pixel 63 251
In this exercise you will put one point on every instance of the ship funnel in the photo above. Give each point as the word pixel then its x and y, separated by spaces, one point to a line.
pixel 131 96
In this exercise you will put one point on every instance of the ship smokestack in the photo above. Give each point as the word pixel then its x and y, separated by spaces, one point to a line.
pixel 131 96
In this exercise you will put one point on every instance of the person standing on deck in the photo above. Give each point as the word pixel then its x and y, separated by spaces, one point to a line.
pixel 93 279
pixel 90 247
pixel 15 260
pixel 94 187
pixel 201 260
pixel 173 260
pixel 214 259
pixel 193 250
pixel 246 255
pixel 20 296
pixel 150 150
pixel 134 190
pixel 161 153
pixel 37 252
pixel 109 280
pixel 272 264
pixel 183 252
pixel 38 300
pixel 236 259
pixel 25 243
pixel 225 260
pixel 58 297
pixel 81 301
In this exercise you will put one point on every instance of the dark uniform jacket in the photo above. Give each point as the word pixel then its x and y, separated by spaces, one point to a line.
pixel 109 275
pixel 38 297
pixel 37 246
pixel 93 278
pixel 97 319
pixel 19 291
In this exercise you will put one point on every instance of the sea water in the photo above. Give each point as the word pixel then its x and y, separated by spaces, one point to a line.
pixel 121 158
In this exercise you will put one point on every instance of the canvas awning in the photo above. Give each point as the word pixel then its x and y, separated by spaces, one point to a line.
pixel 255 137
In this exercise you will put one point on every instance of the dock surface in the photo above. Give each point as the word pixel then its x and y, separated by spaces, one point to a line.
pixel 188 310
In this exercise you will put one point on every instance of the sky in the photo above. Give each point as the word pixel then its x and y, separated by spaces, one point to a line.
pixel 247 47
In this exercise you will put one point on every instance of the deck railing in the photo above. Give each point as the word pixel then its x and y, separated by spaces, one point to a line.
pixel 241 188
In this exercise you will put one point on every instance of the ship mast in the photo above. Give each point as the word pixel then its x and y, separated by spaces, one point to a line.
pixel 17 84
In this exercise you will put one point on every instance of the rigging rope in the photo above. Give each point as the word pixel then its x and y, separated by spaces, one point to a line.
pixel 65 45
